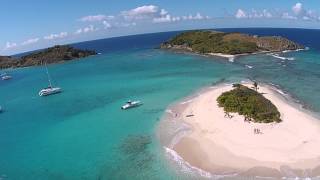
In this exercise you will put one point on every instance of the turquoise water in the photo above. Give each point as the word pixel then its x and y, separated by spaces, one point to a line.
pixel 79 133
pixel 82 133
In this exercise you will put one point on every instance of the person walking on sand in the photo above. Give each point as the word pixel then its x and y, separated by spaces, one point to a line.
pixel 259 131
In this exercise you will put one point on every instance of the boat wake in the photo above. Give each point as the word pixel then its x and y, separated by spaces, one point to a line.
pixel 281 57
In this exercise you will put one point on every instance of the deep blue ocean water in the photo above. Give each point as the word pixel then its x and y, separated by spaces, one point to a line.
pixel 82 133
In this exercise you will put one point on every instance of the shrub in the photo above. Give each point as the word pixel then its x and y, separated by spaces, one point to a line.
pixel 245 101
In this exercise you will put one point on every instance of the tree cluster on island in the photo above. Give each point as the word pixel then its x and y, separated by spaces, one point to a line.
pixel 55 54
pixel 249 103
pixel 205 41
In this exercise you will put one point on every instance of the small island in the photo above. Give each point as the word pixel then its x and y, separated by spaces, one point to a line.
pixel 261 132
pixel 56 54
pixel 228 45
pixel 249 103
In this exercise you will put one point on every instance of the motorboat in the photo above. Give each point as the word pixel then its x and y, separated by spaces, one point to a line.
pixel 5 76
pixel 131 104
pixel 49 91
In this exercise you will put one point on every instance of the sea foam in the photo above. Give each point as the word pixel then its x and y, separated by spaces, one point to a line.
pixel 281 57
pixel 188 168
pixel 184 165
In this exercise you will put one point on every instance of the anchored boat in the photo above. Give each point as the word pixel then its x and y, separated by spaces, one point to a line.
pixel 5 76
pixel 131 104
pixel 50 90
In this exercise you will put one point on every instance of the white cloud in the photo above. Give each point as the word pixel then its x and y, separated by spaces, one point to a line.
pixel 125 24
pixel 298 12
pixel 90 28
pixel 169 18
pixel 146 13
pixel 198 16
pixel 99 17
pixel 106 25
pixel 253 14
pixel 241 14
pixel 312 14
pixel 79 31
pixel 267 14
pixel 286 15
pixel 163 12
pixel 10 45
pixel 142 12
pixel 56 36
pixel 174 19
pixel 30 41
pixel 298 9
pixel 166 18
pixel 305 18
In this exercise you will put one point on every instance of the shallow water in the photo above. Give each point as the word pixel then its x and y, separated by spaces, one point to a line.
pixel 82 133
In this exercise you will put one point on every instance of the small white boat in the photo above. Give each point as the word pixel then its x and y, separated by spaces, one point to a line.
pixel 131 104
pixel 50 90
pixel 1 109
pixel 5 76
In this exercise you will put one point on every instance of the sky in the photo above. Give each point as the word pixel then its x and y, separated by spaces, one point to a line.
pixel 35 24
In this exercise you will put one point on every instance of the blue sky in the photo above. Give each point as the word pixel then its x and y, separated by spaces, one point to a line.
pixel 33 24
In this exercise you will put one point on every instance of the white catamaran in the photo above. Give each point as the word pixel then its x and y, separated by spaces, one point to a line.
pixel 50 89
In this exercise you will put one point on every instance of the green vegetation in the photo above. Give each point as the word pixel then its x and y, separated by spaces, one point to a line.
pixel 55 54
pixel 213 42
pixel 249 103
pixel 228 43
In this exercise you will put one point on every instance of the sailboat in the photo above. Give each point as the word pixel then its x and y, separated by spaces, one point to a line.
pixel 50 89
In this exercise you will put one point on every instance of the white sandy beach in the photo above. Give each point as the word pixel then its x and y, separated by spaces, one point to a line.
pixel 230 57
pixel 218 143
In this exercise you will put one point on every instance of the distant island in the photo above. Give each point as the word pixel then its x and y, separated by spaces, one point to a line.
pixel 228 44
pixel 55 54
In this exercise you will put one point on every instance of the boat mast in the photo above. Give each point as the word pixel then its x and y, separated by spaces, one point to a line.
pixel 48 75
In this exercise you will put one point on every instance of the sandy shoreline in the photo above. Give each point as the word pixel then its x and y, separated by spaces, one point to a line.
pixel 218 144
